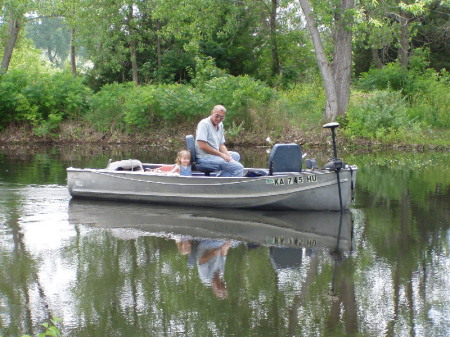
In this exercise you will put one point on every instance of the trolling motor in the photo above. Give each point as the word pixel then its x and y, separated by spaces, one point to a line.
pixel 335 164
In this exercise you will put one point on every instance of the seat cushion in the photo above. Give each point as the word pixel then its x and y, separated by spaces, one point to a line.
pixel 285 158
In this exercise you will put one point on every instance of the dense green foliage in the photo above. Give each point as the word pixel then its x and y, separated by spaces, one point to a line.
pixel 41 100
pixel 128 107
pixel 386 104
pixel 395 101
pixel 143 65
pixel 263 39
pixel 377 115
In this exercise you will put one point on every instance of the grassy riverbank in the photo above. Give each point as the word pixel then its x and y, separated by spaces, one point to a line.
pixel 77 132
pixel 61 109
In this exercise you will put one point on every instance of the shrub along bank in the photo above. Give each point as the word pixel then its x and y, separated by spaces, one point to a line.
pixel 388 106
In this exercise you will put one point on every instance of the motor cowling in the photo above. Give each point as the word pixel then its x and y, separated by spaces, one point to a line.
pixel 334 165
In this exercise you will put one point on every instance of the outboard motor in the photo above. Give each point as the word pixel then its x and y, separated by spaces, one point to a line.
pixel 333 165
pixel 311 164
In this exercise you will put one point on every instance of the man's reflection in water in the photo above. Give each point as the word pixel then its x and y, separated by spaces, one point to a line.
pixel 210 256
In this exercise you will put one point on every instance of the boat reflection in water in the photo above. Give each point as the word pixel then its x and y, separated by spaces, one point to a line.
pixel 268 228
pixel 206 235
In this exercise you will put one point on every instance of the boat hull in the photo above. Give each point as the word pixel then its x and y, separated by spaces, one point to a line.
pixel 307 190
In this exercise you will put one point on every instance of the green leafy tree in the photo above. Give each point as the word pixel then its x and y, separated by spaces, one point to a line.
pixel 53 36
pixel 389 27
pixel 15 14
pixel 123 31
pixel 433 33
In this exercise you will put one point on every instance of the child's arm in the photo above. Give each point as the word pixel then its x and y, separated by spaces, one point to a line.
pixel 176 169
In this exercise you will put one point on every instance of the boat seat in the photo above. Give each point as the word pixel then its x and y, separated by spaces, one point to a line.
pixel 190 145
pixel 285 158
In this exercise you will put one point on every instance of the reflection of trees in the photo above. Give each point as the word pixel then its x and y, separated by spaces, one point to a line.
pixel 406 202
pixel 46 165
pixel 300 299
pixel 26 168
pixel 345 301
pixel 19 277
pixel 325 303
pixel 145 287
pixel 387 177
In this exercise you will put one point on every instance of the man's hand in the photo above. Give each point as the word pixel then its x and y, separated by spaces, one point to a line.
pixel 222 153
pixel 226 157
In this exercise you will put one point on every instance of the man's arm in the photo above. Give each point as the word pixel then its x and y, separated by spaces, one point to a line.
pixel 222 251
pixel 223 152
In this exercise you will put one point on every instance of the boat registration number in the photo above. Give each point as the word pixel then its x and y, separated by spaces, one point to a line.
pixel 292 180
pixel 282 240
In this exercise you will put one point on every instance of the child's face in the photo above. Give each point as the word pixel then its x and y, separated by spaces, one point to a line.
pixel 185 160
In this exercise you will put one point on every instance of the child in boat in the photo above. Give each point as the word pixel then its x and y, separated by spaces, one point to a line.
pixel 183 164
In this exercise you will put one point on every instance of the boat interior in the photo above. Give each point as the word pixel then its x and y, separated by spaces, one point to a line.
pixel 283 158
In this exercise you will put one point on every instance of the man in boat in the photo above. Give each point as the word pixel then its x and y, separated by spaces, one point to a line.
pixel 210 146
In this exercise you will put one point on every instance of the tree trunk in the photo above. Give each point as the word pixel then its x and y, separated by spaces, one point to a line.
pixel 376 58
pixel 13 31
pixel 336 77
pixel 331 107
pixel 403 48
pixel 273 36
pixel 134 66
pixel 342 58
pixel 132 45
pixel 73 64
pixel 158 44
pixel 158 49
pixel 51 58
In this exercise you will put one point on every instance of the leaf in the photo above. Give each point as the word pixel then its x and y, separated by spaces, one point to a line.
pixel 53 331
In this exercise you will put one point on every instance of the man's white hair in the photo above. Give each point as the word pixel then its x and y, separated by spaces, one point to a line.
pixel 219 108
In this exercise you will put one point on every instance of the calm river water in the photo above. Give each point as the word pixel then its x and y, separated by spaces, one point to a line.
pixel 121 269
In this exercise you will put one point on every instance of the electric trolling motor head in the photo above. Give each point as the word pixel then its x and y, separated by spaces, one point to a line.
pixel 331 125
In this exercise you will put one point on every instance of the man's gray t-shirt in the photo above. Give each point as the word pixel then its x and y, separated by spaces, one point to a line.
pixel 207 132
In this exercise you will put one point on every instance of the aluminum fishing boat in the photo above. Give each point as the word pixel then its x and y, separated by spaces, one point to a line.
pixel 283 185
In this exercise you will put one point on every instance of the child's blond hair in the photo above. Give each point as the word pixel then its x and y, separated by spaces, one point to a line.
pixel 182 153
